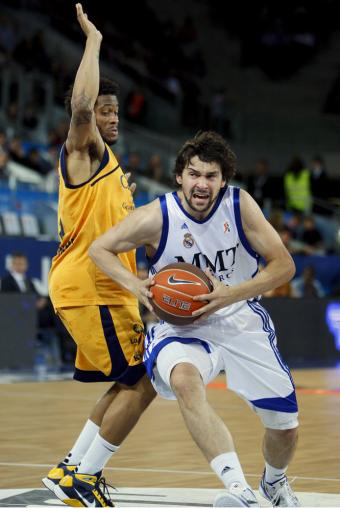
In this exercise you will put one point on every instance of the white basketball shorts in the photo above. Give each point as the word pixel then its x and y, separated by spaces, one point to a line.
pixel 243 345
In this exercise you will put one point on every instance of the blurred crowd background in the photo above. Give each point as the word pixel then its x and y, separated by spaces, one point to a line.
pixel 266 75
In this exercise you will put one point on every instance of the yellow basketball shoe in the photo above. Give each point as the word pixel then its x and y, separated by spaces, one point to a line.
pixel 56 474
pixel 83 490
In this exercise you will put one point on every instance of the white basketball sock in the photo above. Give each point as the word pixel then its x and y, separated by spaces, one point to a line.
pixel 96 456
pixel 228 469
pixel 273 474
pixel 82 444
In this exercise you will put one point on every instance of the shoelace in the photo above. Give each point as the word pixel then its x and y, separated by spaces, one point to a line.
pixel 103 487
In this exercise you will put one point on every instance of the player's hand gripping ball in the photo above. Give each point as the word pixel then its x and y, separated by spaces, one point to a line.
pixel 173 292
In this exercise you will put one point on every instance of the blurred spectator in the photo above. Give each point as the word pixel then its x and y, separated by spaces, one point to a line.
pixel 133 165
pixel 297 185
pixel 12 118
pixel 30 119
pixel 294 224
pixel 276 219
pixel 292 245
pixel 3 165
pixel 307 285
pixel 218 113
pixel 155 170
pixel 135 106
pixel 4 157
pixel 260 184
pixel 57 135
pixel 172 83
pixel 311 237
pixel 50 330
pixel 320 186
pixel 17 281
pixel 284 291
pixel 16 151
pixel 35 161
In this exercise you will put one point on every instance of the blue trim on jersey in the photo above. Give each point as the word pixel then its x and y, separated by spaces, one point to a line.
pixel 241 234
pixel 165 231
pixel 282 404
pixel 211 213
pixel 63 168
pixel 260 311
pixel 150 359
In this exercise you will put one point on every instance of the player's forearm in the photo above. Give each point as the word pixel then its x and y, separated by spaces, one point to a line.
pixel 111 265
pixel 86 85
pixel 275 273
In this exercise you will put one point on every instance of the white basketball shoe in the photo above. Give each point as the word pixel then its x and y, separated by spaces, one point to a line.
pixel 236 496
pixel 278 493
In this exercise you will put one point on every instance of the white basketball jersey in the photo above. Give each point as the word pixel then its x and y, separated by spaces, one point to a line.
pixel 217 242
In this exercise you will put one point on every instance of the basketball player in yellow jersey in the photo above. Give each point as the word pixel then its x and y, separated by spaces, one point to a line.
pixel 101 316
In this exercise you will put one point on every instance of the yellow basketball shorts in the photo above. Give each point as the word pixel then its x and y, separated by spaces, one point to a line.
pixel 110 342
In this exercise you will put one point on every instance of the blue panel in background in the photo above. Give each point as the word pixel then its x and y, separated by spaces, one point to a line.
pixel 38 252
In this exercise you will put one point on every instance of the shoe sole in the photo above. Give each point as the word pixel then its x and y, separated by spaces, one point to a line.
pixel 49 484
pixel 65 499
pixel 227 500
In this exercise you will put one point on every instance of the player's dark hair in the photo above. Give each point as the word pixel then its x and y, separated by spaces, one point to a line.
pixel 18 254
pixel 106 87
pixel 209 146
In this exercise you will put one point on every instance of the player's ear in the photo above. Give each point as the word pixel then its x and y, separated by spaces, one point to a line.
pixel 179 179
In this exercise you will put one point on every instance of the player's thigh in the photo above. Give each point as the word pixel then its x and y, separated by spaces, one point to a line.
pixel 256 371
pixel 108 338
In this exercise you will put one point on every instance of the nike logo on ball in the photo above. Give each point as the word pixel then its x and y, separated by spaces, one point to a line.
pixel 173 281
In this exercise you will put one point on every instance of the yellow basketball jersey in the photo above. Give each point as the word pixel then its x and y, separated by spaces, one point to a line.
pixel 85 212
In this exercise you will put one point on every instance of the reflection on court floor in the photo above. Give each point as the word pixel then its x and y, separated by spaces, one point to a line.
pixel 150 498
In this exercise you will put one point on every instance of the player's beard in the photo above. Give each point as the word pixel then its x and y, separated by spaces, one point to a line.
pixel 189 200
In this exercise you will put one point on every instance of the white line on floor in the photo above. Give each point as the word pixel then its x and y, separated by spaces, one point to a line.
pixel 167 471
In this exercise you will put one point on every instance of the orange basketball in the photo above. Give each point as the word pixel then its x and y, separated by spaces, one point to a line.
pixel 174 289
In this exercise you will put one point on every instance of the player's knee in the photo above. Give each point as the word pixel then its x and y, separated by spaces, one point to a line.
pixel 185 380
pixel 288 435
pixel 146 392
pixel 278 420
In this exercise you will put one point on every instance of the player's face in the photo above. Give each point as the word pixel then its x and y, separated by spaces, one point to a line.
pixel 106 111
pixel 201 183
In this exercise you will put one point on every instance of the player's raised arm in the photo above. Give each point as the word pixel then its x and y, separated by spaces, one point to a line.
pixel 143 227
pixel 83 129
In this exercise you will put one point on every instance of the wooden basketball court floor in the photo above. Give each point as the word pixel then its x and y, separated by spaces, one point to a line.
pixel 159 465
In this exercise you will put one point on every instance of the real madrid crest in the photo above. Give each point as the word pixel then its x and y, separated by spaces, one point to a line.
pixel 188 240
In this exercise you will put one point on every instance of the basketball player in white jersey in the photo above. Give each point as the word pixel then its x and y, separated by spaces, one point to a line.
pixel 221 229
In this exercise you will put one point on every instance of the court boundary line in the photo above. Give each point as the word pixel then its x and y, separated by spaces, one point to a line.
pixel 167 471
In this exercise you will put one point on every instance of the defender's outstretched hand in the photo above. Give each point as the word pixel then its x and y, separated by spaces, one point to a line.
pixel 86 25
